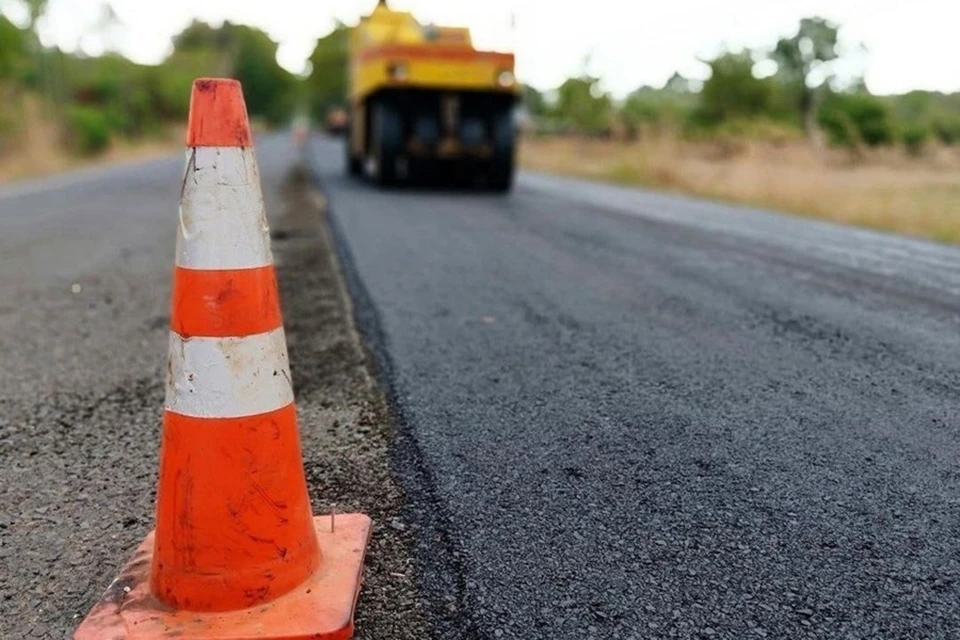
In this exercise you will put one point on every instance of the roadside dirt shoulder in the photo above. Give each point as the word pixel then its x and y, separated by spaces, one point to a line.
pixel 345 424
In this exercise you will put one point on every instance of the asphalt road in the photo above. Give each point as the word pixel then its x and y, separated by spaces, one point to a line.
pixel 86 261
pixel 620 415
pixel 85 270
pixel 628 415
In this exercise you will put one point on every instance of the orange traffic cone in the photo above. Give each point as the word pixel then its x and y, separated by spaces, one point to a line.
pixel 235 552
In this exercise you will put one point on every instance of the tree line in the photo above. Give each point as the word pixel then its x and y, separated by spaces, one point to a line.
pixel 801 97
pixel 98 99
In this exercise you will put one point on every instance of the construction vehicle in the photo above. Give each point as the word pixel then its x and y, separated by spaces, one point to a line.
pixel 423 102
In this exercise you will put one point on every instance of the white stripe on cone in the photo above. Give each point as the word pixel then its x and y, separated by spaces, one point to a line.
pixel 223 224
pixel 228 377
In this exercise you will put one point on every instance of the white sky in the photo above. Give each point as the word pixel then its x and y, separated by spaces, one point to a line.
pixel 911 45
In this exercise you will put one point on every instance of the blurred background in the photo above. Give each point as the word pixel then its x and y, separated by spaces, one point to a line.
pixel 844 110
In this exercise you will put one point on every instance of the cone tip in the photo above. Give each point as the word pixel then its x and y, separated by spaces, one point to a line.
pixel 218 114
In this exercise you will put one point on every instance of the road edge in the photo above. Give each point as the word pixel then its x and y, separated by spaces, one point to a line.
pixel 442 574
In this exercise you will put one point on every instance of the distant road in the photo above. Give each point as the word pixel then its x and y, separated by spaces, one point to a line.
pixel 628 415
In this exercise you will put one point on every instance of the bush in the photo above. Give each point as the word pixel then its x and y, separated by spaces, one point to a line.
pixel 854 118
pixel 915 137
pixel 89 130
pixel 947 130
pixel 8 131
pixel 583 105
pixel 733 92
pixel 12 48
pixel 638 113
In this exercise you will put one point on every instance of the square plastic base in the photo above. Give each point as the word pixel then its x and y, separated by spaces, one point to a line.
pixel 320 608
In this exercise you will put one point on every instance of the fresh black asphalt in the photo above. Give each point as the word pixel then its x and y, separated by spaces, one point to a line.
pixel 628 415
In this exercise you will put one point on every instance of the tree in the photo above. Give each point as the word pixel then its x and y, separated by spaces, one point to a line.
pixel 327 83
pixel 678 85
pixel 12 45
pixel 937 111
pixel 732 91
pixel 646 108
pixel 583 104
pixel 637 112
pixel 245 53
pixel 39 74
pixel 200 40
pixel 658 109
pixel 856 118
pixel 533 101
pixel 268 88
pixel 803 65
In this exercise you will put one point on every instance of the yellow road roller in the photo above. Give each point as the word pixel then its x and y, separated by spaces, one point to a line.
pixel 424 103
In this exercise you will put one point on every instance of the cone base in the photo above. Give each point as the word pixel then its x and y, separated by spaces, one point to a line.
pixel 320 608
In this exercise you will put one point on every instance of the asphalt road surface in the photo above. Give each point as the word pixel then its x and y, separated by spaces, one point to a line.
pixel 627 415
pixel 619 414
pixel 86 262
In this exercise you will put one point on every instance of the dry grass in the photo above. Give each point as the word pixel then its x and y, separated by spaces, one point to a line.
pixel 884 190
pixel 37 149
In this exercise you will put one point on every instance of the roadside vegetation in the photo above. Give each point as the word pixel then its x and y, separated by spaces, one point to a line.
pixel 777 127
pixel 60 108
pixel 774 128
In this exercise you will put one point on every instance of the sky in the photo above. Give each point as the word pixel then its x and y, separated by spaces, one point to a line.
pixel 628 43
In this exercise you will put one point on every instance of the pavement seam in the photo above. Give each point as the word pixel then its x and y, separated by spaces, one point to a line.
pixel 437 554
